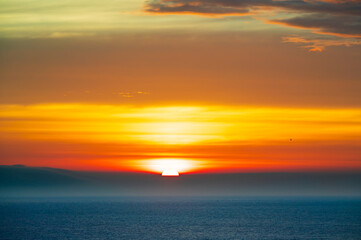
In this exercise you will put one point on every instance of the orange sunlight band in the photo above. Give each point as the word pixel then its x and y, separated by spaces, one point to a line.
pixel 188 138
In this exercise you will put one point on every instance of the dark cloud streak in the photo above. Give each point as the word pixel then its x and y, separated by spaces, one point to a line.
pixel 343 26
pixel 340 18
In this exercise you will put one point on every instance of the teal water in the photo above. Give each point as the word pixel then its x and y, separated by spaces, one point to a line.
pixel 187 218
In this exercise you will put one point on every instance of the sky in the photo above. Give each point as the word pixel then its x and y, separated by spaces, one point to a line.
pixel 220 86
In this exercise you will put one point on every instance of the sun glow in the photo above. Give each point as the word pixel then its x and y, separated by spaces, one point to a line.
pixel 168 166
pixel 184 139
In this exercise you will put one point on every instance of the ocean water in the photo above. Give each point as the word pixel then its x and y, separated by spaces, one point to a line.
pixel 185 218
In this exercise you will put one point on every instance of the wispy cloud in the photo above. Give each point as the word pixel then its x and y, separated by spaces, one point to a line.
pixel 339 18
pixel 319 45
pixel 336 25
pixel 130 94
pixel 251 6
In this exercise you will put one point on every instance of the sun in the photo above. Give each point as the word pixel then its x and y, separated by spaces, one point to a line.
pixel 170 173
pixel 168 166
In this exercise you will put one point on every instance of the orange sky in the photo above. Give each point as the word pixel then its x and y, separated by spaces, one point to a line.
pixel 189 138
pixel 220 86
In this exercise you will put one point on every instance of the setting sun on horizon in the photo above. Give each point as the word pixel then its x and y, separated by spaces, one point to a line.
pixel 187 139
pixel 180 119
pixel 170 173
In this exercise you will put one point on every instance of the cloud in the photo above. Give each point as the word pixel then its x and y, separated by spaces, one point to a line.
pixel 129 94
pixel 250 6
pixel 319 45
pixel 340 18
pixel 341 26
pixel 193 7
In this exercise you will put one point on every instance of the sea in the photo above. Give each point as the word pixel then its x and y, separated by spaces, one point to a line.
pixel 181 218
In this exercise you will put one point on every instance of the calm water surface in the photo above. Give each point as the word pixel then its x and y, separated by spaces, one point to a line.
pixel 186 218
